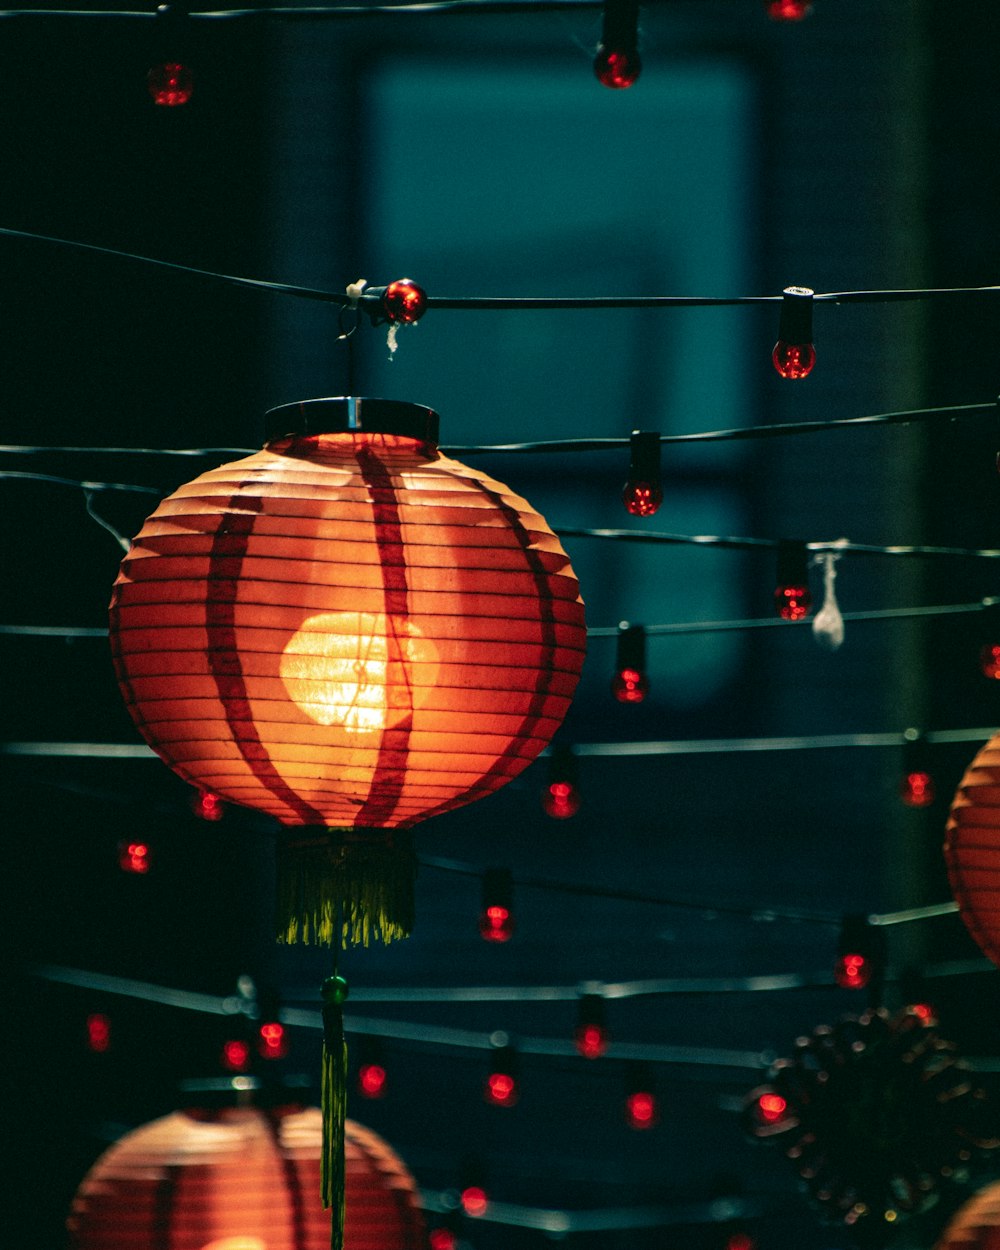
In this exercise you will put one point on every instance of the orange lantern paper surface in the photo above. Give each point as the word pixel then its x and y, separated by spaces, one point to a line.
pixel 976 1225
pixel 351 632
pixel 241 1179
pixel 972 848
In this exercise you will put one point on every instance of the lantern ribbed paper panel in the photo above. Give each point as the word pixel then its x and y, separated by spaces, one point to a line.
pixel 241 1179
pixel 976 1225
pixel 348 630
pixel 972 848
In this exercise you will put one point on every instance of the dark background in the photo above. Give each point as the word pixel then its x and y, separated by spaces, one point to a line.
pixel 856 150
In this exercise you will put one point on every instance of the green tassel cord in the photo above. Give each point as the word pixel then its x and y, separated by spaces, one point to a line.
pixel 360 881
pixel 334 1101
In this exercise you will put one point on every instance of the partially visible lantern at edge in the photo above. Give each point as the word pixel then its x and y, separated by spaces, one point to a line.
pixel 972 848
pixel 976 1224
pixel 239 1178
pixel 350 632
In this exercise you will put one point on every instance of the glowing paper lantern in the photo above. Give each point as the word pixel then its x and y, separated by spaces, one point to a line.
pixel 351 632
pixel 241 1179
pixel 976 1224
pixel 972 848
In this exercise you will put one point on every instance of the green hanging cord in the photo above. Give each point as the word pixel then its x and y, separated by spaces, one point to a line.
pixel 334 1098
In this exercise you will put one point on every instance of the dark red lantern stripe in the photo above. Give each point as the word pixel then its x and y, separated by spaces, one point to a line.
pixel 389 774
pixel 224 571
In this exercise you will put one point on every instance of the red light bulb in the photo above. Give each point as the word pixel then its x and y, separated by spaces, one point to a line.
pixel 629 686
pixel 794 360
pixel 474 1201
pixel 561 800
pixel 170 84
pixel 235 1055
pixel 740 1241
pixel 852 971
pixel 792 598
pixel 787 10
pixel 272 1040
pixel 617 68
pixel 500 1089
pixel 642 498
pixel 989 661
pixel 133 857
pixel 591 1040
pixel 925 1013
pixel 208 806
pixel 496 915
pixel 771 1108
pixel 917 788
pixel 371 1080
pixel 642 493
pixel 792 603
pixel 794 355
pixel 98 1033
pixel 403 302
pixel 496 924
pixel 640 1109
pixel 442 1239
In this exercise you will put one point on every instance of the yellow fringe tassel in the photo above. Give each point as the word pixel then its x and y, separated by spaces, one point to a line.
pixel 361 881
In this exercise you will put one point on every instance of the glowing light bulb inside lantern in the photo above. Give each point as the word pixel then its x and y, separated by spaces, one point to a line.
pixel 794 354
pixel 235 1243
pixel 916 786
pixel 642 493
pixel 630 683
pixel 361 671
pixel 591 1036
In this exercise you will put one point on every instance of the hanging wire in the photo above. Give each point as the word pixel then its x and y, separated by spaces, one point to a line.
pixel 501 303
pixel 945 415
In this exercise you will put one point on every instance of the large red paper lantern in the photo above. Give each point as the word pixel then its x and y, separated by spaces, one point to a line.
pixel 351 632
pixel 976 1224
pixel 241 1179
pixel 972 848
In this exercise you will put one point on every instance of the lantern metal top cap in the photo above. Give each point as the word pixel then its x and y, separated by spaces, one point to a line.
pixel 346 413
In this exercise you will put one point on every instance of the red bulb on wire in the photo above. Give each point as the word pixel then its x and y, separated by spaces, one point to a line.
pixel 852 971
pixel 794 355
pixel 787 10
pixel 629 686
pixel 170 84
pixel 235 1055
pixel 496 924
pixel 496 915
pixel 770 1108
pixel 917 788
pixel 403 302
pixel 474 1200
pixel 561 800
pixel 642 498
pixel 617 68
pixel 208 806
pixel 500 1089
pixel 740 1241
pixel 794 360
pixel 133 857
pixel 371 1080
pixel 792 603
pixel 98 1033
pixel 989 661
pixel 442 1239
pixel 272 1040
pixel 591 1040
pixel 640 1109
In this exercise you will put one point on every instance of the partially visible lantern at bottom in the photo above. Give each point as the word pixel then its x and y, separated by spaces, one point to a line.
pixel 241 1179
pixel 351 632
pixel 972 848
pixel 976 1224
